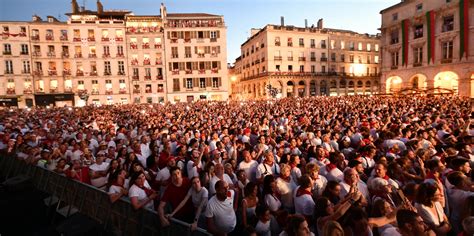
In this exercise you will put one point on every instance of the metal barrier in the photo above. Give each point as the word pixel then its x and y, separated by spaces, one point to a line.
pixel 118 217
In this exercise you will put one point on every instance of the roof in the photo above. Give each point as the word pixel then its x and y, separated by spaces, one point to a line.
pixel 394 6
pixel 191 15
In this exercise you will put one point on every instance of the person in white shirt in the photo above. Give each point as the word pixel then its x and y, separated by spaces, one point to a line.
pixel 351 178
pixel 248 165
pixel 319 181
pixel 220 211
pixel 98 172
pixel 140 193
pixel 145 147
pixel 285 185
pixel 163 176
pixel 457 196
pixel 220 175
pixel 194 166
pixel 267 167
pixel 304 203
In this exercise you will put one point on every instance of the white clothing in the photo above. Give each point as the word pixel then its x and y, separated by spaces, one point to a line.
pixel 360 185
pixel 249 168
pixel 272 202
pixel 193 170
pixel 140 194
pixel 222 212
pixel 101 181
pixel 319 185
pixel 428 216
pixel 304 204
pixel 198 197
pixel 263 170
pixel 213 181
pixel 285 189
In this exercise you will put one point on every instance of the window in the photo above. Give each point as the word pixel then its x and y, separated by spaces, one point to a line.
pixel 323 43
pixel 313 69
pixel 419 7
pixel 106 51
pixel 174 52
pixel 301 42
pixel 213 35
pixel 343 45
pixel 202 82
pixel 376 59
pixel 6 29
pixel 8 67
pixel 343 57
pixel 120 50
pixel 323 69
pixel 107 70
pixel 368 59
pixel 215 82
pixel 189 83
pixel 395 16
pixel 187 52
pixel 351 58
pixel 277 41
pixel 369 47
pixel 24 49
pixel 77 35
pixel 26 67
pixel 290 68
pixel 312 43
pixel 301 68
pixel 290 56
pixel 175 85
pixel 7 49
pixel 448 23
pixel 200 34
pixel 418 33
pixel 277 68
pixel 135 72
pixel 333 44
pixel 376 47
pixel 360 46
pixel 417 55
pixel 290 42
pixel 394 59
pixel 313 56
pixel 394 36
pixel 448 50
pixel 121 68
pixel 333 57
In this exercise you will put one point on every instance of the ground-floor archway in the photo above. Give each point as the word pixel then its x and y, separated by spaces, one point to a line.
pixel 393 84
pixel 447 80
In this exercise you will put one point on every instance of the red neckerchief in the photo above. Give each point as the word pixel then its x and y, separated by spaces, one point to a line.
pixel 330 167
pixel 302 192
pixel 148 191
pixel 286 179
pixel 430 175
pixel 292 166
pixel 386 177
pixel 197 166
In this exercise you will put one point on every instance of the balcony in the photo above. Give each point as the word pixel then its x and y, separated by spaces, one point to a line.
pixel 67 72
pixel 146 61
pixel 417 64
pixel 174 56
pixel 91 39
pixel 49 38
pixel 394 67
pixel 133 46
pixel 68 90
pixel 134 62
pixel 174 40
pixel 145 46
pixel 52 72
pixel 35 37
pixel 213 54
pixel 147 77
pixel 7 53
pixel 157 45
pixel 187 40
pixel 39 90
pixel 79 73
pixel 301 58
pixel 188 71
pixel 313 58
pixel 93 73
pixel 277 43
pixel 121 73
pixel 278 58
pixel 24 53
pixel 175 72
pixel 290 58
pixel 187 55
pixel 38 72
pixel 324 59
pixel 201 55
pixel 158 62
pixel 393 41
pixel 119 55
pixel 104 39
pixel 95 92
pixel 135 77
pixel 25 71
pixel 78 55
pixel 36 54
pixel 160 90
pixel 65 54
pixel 135 90
pixel 312 46
pixel 76 39
pixel 107 73
pixel 27 91
pixel 202 71
pixel 51 54
pixel 446 60
pixel 290 44
pixel 8 72
pixel 53 90
pixel 10 90
pixel 215 40
pixel 302 45
pixel 106 55
pixel 159 77
pixel 22 34
pixel 92 55
pixel 123 91
pixel 63 38
pixel 323 46
pixel 108 92
pixel 215 70
pixel 119 39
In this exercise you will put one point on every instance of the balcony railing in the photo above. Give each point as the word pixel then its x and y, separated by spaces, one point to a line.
pixel 66 72
pixel 160 90
pixel 147 77
pixel 107 73
pixel 53 90
pixel 95 92
pixel 92 55
pixel 313 58
pixel 394 67
pixel 158 62
pixel 105 55
pixel 446 60
pixel 301 58
pixel 8 72
pixel 159 77
pixel 417 64
pixel 105 39
pixel 324 59
pixel 68 90
pixel 76 39
pixel 278 58
pixel 65 54
pixel 27 91
pixel 215 70
pixel 49 37
pixel 7 53
pixel 290 58
pixel 91 39
pixel 121 73
pixel 79 73
pixel 78 55
pixel 119 55
pixel 23 52
pixel 134 62
pixel 51 54
pixel 123 91
pixel 146 46
pixel 146 62
pixel 202 71
pixel 136 90
pixel 187 40
pixel 189 72
pixel 38 72
pixel 133 46
pixel 157 46
pixel 10 90
pixel 25 71
pixel 277 43
pixel 135 77
pixel 119 39
pixel 108 92
pixel 93 73
pixel 35 37
pixel 63 38
pixel 52 72
pixel 175 72
pixel 36 54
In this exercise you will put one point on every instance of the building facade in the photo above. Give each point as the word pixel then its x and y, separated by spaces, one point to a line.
pixel 107 57
pixel 288 61
pixel 428 48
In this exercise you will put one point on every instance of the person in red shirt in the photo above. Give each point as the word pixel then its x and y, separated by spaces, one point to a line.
pixel 79 172
pixel 174 194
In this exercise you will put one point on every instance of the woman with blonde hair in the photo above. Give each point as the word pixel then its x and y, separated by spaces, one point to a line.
pixel 332 228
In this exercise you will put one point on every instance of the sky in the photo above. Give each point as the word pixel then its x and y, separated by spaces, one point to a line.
pixel 362 16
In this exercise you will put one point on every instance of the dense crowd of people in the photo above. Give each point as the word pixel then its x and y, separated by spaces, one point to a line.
pixel 353 165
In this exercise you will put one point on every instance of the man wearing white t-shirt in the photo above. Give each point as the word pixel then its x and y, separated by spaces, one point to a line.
pixel 163 176
pixel 98 171
pixel 249 166
pixel 267 167
pixel 220 175
pixel 352 178
pixel 194 165
pixel 220 212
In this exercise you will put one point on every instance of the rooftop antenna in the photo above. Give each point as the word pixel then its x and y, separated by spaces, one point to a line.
pixel 83 5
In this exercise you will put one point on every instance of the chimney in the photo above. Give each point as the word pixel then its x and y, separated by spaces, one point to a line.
pixel 282 19
pixel 100 7
pixel 305 23
pixel 74 6
pixel 320 23
pixel 163 11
